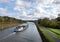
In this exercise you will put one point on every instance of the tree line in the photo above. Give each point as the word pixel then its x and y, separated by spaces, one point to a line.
pixel 9 19
pixel 53 23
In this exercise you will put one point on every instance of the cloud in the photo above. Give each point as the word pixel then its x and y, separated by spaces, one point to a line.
pixel 48 9
pixel 56 2
pixel 33 9
pixel 3 12
pixel 4 1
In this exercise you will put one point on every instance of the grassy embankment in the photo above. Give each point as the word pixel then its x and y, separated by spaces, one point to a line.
pixel 52 25
pixel 6 22
pixel 44 35
pixel 56 32
pixel 7 25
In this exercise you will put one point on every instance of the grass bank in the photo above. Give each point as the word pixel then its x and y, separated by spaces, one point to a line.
pixel 6 22
pixel 56 32
pixel 44 35
pixel 5 25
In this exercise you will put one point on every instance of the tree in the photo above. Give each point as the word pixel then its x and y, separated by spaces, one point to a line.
pixel 58 18
pixel 44 22
pixel 1 19
pixel 53 23
pixel 6 19
pixel 58 15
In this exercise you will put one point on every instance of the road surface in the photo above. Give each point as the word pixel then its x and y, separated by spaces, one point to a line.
pixel 29 35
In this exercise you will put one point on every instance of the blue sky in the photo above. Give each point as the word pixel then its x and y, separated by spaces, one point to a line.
pixel 29 9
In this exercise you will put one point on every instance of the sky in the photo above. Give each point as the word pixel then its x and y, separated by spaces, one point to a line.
pixel 30 9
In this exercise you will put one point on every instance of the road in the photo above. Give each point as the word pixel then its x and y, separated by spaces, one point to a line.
pixel 29 35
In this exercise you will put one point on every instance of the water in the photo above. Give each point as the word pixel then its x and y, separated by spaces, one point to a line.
pixel 29 35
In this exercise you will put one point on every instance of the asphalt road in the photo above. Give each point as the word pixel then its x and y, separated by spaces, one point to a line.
pixel 29 35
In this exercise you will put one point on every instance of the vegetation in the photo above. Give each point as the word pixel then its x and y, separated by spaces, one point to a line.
pixel 53 23
pixel 46 34
pixel 6 21
pixel 56 32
